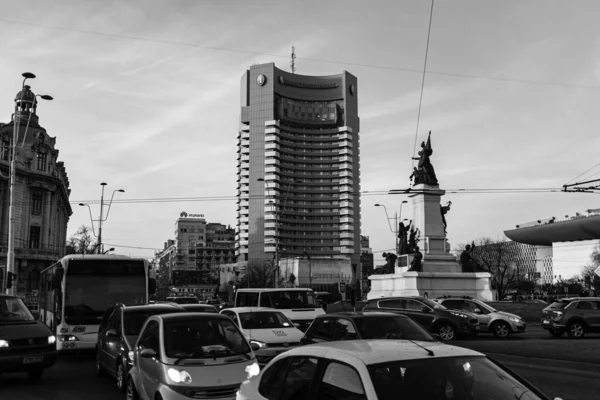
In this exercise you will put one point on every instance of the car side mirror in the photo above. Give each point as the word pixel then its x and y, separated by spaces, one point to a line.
pixel 147 353
pixel 254 346
pixel 477 311
pixel 111 332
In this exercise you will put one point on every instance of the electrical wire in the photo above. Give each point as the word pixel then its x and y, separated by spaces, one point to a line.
pixel 585 172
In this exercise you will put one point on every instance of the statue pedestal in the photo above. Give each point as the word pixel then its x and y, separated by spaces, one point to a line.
pixel 440 273
pixel 435 284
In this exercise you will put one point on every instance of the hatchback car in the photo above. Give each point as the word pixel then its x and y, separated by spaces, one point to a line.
pixel 26 345
pixel 447 324
pixel 500 323
pixel 386 370
pixel 576 316
pixel 359 325
pixel 190 355
pixel 117 335
pixel 268 328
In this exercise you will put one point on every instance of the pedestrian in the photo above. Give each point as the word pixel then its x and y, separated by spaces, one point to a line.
pixel 426 295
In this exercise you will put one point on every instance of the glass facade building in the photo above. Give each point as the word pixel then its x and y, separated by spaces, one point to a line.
pixel 298 166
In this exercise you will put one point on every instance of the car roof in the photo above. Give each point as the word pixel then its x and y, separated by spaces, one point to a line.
pixel 360 314
pixel 577 298
pixel 250 309
pixel 400 297
pixel 376 351
pixel 199 305
pixel 297 289
pixel 191 316
pixel 156 306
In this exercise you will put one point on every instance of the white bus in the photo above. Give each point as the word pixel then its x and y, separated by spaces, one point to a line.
pixel 78 288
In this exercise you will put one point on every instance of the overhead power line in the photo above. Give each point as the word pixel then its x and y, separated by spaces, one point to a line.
pixel 383 67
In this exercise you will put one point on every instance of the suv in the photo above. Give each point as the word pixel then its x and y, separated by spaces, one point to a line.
pixel 576 316
pixel 26 345
pixel 500 323
pixel 117 334
pixel 447 324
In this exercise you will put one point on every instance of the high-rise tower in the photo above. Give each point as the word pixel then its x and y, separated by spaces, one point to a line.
pixel 298 166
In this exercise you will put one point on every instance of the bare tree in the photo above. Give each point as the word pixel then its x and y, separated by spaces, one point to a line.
pixel 258 274
pixel 500 258
pixel 588 272
pixel 82 241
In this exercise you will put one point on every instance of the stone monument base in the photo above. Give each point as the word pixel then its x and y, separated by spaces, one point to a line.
pixel 435 284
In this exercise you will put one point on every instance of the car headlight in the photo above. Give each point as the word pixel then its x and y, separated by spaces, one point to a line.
pixel 457 314
pixel 51 339
pixel 178 376
pixel 260 344
pixel 252 370
pixel 130 355
pixel 3 343
pixel 514 319
pixel 68 338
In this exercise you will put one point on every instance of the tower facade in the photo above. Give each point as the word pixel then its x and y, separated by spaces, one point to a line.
pixel 298 166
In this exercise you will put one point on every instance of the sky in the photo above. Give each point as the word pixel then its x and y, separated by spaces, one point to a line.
pixel 147 97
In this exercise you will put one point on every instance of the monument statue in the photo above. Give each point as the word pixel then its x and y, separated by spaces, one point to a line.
pixel 467 261
pixel 444 210
pixel 424 173
pixel 390 259
pixel 416 264
pixel 403 238
pixel 413 239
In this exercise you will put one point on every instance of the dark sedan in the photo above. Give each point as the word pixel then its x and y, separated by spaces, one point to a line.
pixel 358 325
pixel 199 308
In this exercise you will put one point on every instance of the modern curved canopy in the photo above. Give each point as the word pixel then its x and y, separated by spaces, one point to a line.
pixel 586 228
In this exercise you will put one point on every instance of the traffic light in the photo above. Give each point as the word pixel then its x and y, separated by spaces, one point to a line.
pixel 9 279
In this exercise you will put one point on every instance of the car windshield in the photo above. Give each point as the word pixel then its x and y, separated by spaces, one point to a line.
pixel 12 309
pixel 290 299
pixel 560 304
pixel 458 378
pixel 394 327
pixel 133 321
pixel 264 320
pixel 203 338
pixel 433 304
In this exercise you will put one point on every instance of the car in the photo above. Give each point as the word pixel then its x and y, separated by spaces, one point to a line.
pixel 199 308
pixel 183 300
pixel 268 328
pixel 368 325
pixel 447 324
pixel 190 355
pixel 386 370
pixel 117 335
pixel 576 316
pixel 502 324
pixel 26 345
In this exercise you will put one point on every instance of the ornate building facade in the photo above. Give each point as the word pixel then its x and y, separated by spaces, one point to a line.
pixel 41 199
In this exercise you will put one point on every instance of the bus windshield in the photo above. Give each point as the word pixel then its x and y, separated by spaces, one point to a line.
pixel 94 285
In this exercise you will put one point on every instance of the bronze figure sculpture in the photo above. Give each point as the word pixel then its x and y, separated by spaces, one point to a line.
pixel 424 173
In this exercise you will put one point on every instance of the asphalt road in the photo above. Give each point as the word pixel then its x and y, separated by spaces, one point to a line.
pixel 73 377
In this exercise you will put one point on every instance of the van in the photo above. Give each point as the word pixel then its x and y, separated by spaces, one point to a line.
pixel 298 304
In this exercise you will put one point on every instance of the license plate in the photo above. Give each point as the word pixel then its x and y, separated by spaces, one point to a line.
pixel 545 321
pixel 32 359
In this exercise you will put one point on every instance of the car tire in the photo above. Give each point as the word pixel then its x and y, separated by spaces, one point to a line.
pixel 99 371
pixel 121 376
pixel 35 375
pixel 501 329
pixel 556 333
pixel 576 329
pixel 132 393
pixel 446 331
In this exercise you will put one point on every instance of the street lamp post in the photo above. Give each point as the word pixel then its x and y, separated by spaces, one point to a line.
pixel 99 245
pixel 395 218
pixel 26 105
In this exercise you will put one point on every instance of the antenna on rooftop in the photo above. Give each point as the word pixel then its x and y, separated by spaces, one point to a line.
pixel 293 62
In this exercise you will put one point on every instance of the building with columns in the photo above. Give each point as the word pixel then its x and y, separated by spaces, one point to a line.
pixel 41 199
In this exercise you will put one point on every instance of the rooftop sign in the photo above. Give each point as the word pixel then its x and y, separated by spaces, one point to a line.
pixel 287 82
pixel 186 215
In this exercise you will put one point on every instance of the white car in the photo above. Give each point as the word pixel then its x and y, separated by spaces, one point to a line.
pixel 385 370
pixel 268 328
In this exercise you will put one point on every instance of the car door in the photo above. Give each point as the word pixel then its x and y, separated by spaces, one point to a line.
pixel 103 340
pixel 419 312
pixel 149 368
pixel 319 331
pixel 482 314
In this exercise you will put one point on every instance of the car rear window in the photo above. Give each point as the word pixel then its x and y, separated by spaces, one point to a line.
pixel 560 304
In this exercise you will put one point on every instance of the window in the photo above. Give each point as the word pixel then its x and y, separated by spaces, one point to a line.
pixel 36 202
pixel 5 149
pixel 245 299
pixel 321 328
pixel 401 304
pixel 231 315
pixel 300 374
pixel 271 383
pixel 41 161
pixel 344 330
pixel 341 381
pixel 413 305
pixel 149 338
pixel 34 237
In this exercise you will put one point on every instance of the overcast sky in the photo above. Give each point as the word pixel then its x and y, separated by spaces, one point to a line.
pixel 147 100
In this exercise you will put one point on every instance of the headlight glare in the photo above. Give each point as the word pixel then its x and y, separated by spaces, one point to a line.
pixel 3 343
pixel 252 370
pixel 457 314
pixel 260 344
pixel 51 339
pixel 130 355
pixel 68 338
pixel 179 376
pixel 514 319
